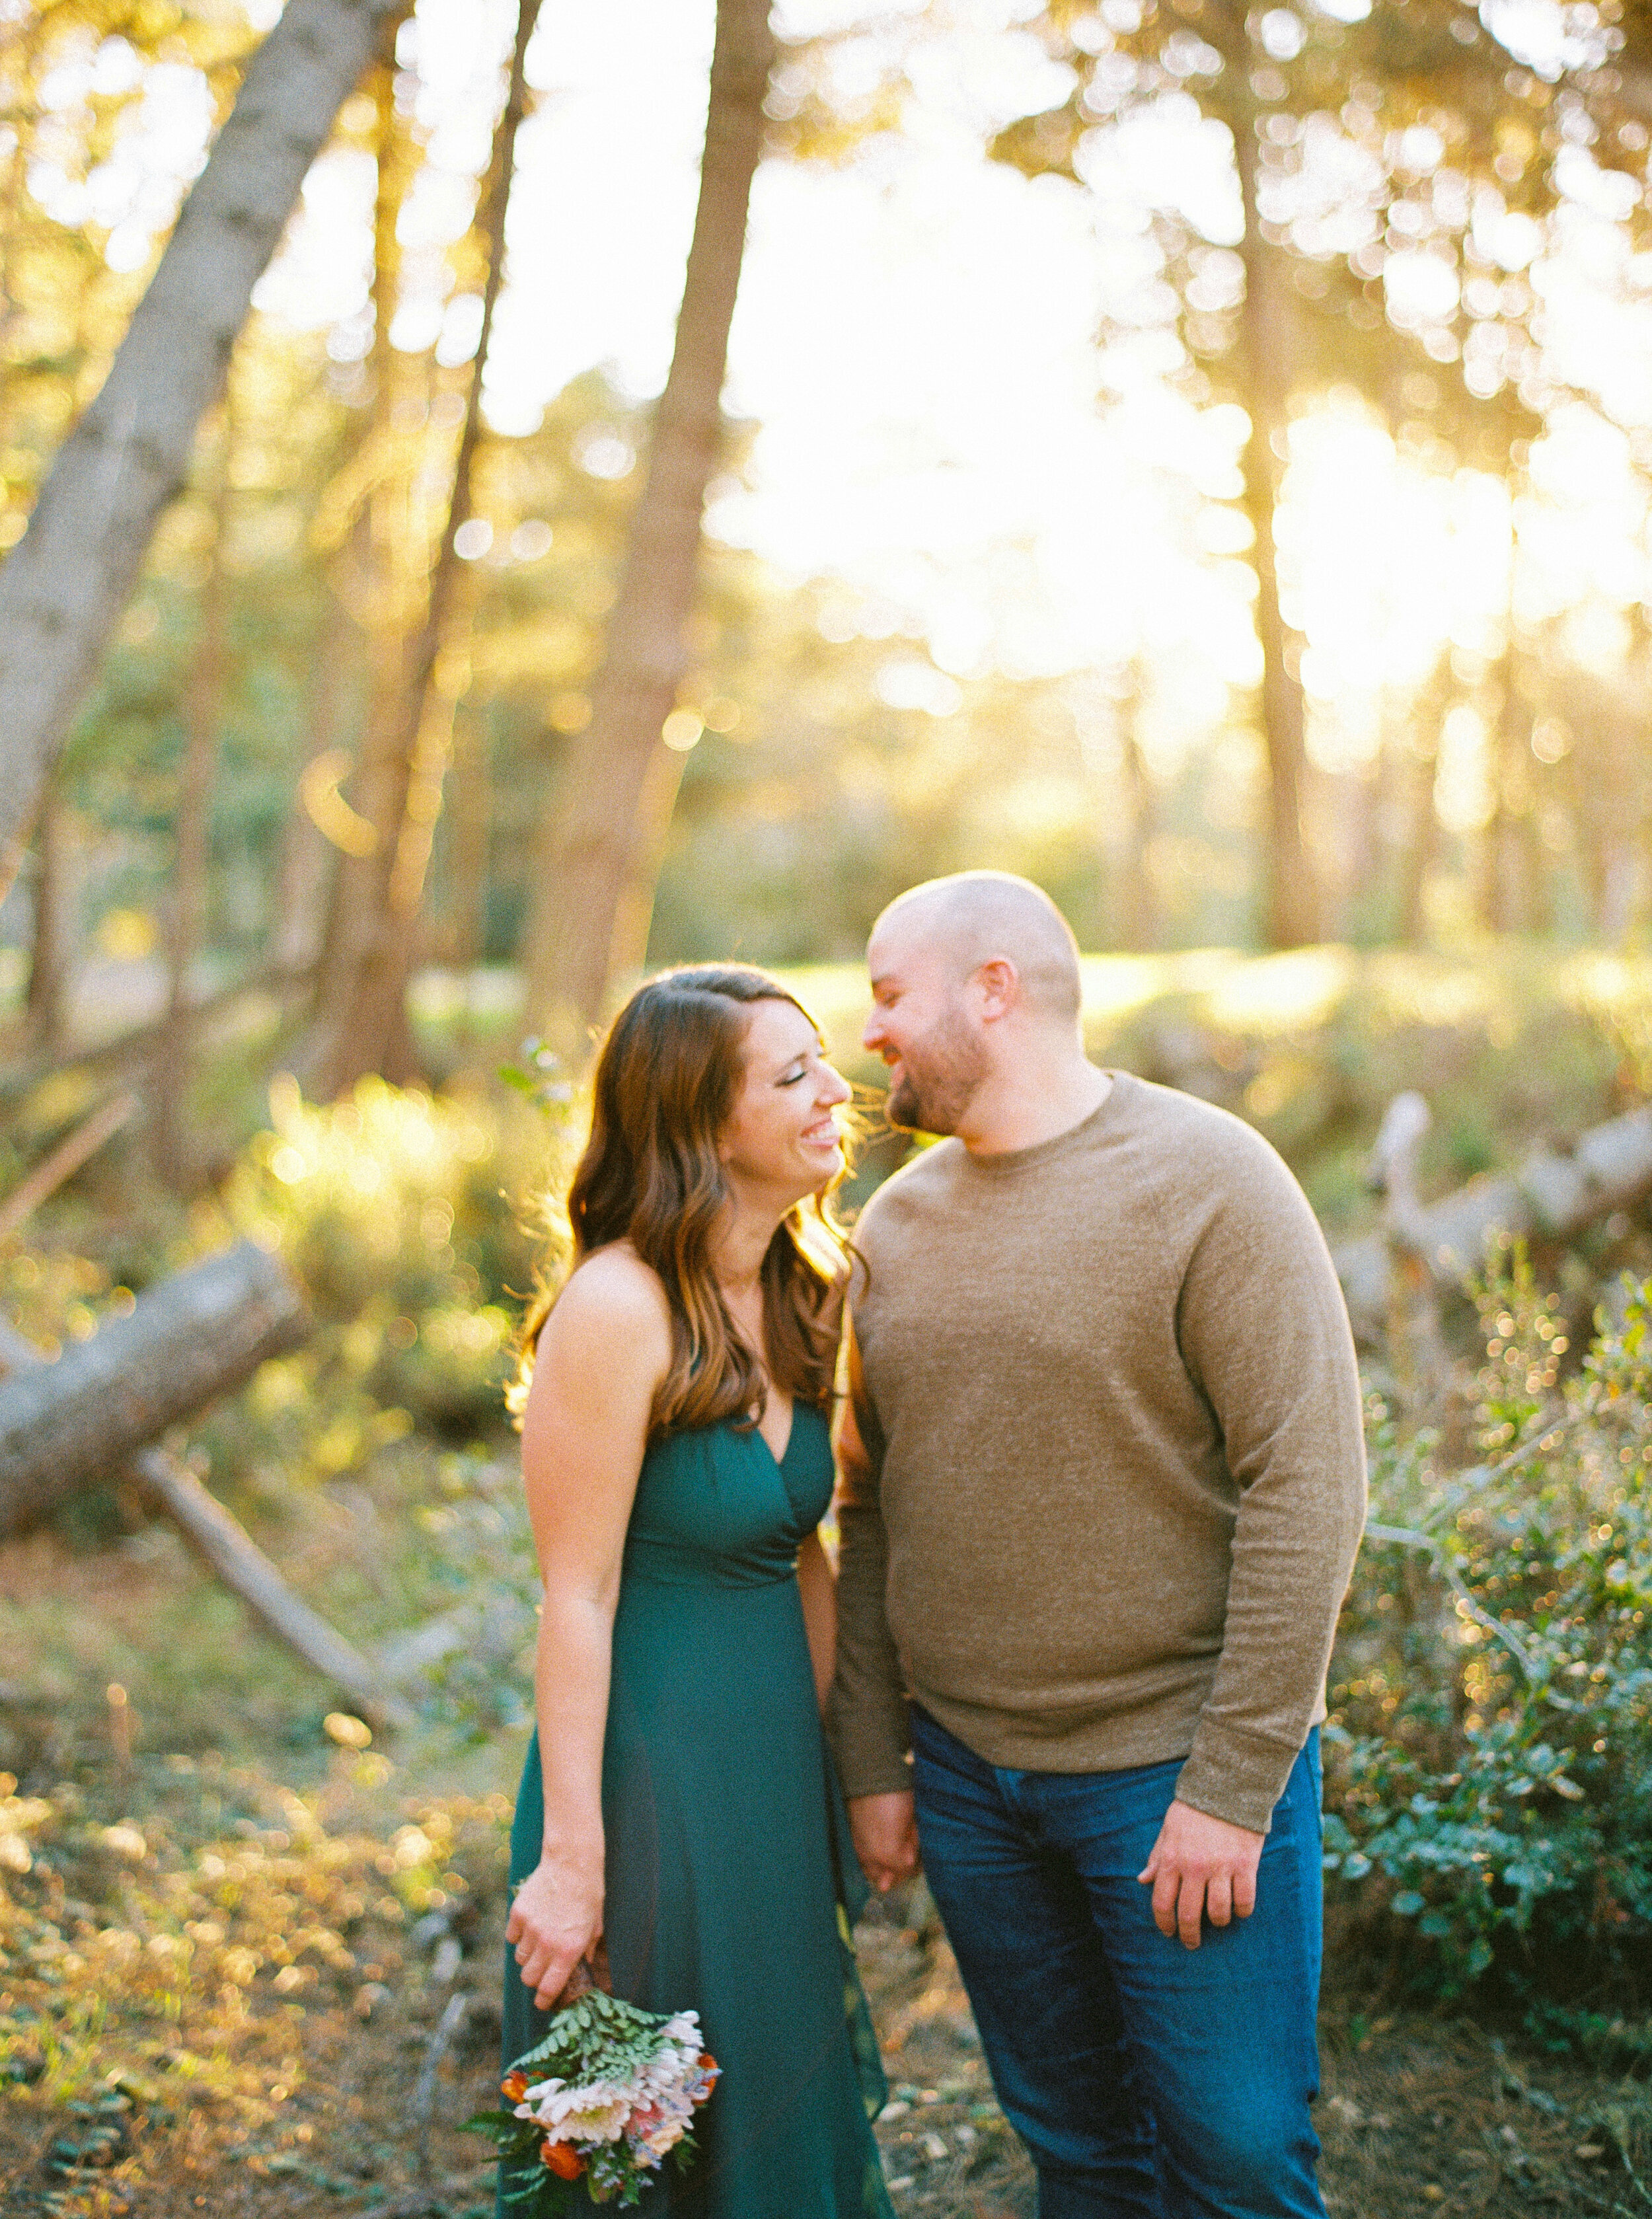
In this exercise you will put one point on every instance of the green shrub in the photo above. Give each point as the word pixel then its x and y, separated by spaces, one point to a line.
pixel 405 1217
pixel 1489 1750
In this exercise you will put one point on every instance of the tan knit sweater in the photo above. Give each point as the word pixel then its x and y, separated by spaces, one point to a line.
pixel 1117 1473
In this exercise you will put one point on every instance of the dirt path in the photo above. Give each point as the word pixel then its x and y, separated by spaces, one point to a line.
pixel 1417 2117
pixel 344 2096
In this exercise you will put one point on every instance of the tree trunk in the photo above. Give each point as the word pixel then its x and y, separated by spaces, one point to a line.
pixel 600 842
pixel 1140 921
pixel 49 959
pixel 1419 743
pixel 368 1018
pixel 187 893
pixel 466 937
pixel 190 1339
pixel 1508 889
pixel 1265 358
pixel 66 584
pixel 372 584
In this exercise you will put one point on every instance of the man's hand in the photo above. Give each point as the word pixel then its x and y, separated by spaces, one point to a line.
pixel 885 1831
pixel 1199 1865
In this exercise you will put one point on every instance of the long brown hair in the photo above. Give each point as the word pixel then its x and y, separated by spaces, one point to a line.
pixel 664 1089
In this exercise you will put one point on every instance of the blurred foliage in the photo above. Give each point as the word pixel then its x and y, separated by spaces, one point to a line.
pixel 1489 1749
pixel 404 1215
pixel 163 1945
pixel 484 1574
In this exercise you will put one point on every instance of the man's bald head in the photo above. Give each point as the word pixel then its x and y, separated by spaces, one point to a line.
pixel 980 917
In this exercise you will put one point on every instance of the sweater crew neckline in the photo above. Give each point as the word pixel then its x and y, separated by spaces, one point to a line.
pixel 1005 1162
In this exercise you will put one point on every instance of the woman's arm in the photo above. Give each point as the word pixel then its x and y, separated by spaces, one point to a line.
pixel 605 1349
pixel 819 1593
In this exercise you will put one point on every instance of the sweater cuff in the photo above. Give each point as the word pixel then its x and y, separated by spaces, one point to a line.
pixel 872 1755
pixel 1234 1775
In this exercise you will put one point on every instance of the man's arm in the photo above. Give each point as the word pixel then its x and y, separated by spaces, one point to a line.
pixel 867 1714
pixel 1265 1333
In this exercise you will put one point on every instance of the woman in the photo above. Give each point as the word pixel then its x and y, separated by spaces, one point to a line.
pixel 677 1800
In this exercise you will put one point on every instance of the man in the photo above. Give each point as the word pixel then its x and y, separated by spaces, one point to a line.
pixel 1103 1479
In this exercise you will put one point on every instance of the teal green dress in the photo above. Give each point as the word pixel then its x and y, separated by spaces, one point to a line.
pixel 731 1879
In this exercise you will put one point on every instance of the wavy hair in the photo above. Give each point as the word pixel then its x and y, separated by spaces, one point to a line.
pixel 663 1091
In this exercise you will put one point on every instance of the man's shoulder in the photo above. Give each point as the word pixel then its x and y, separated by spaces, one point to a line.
pixel 1192 1139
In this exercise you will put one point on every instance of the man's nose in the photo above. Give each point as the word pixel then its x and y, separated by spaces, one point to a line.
pixel 872 1033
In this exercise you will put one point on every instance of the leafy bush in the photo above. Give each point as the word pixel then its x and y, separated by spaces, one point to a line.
pixel 1490 1741
pixel 480 1554
pixel 403 1215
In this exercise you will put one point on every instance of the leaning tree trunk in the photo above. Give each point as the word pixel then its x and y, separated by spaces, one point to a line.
pixel 66 584
pixel 600 838
pixel 1265 356
pixel 187 891
pixel 366 1022
pixel 187 1341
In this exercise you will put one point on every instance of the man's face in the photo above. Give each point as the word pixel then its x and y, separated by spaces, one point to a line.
pixel 922 1026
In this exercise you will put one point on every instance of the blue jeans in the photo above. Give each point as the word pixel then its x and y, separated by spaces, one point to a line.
pixel 1147 2080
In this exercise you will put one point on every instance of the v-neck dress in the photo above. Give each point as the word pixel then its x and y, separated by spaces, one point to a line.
pixel 730 1879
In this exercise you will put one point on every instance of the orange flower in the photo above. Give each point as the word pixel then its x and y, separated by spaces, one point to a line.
pixel 707 2062
pixel 514 2087
pixel 562 2159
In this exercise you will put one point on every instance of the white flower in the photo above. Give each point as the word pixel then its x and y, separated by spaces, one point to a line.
pixel 596 2113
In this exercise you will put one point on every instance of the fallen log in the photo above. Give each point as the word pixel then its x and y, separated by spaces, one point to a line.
pixel 229 1551
pixel 184 1343
pixel 1555 1196
pixel 64 1160
pixel 225 1547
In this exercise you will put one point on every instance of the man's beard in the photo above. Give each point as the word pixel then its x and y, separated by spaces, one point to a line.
pixel 939 1077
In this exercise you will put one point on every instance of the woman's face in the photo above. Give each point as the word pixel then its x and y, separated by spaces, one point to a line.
pixel 782 1133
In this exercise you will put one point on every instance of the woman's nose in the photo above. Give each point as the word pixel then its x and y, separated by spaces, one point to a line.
pixel 833 1087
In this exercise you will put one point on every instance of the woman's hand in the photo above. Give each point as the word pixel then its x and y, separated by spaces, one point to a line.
pixel 556 1920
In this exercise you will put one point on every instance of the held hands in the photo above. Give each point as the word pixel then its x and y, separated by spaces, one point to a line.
pixel 885 1834
pixel 1200 1865
pixel 556 1920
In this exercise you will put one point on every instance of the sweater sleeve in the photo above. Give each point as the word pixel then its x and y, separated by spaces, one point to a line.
pixel 1265 1333
pixel 866 1717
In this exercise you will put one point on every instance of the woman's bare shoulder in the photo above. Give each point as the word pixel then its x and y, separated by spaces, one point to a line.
pixel 612 1289
pixel 607 1344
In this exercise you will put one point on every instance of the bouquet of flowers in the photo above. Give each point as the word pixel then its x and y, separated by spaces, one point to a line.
pixel 601 2099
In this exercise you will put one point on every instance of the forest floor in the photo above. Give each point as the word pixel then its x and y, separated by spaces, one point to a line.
pixel 218 1995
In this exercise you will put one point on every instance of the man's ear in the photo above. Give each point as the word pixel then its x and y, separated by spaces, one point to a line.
pixel 997 983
